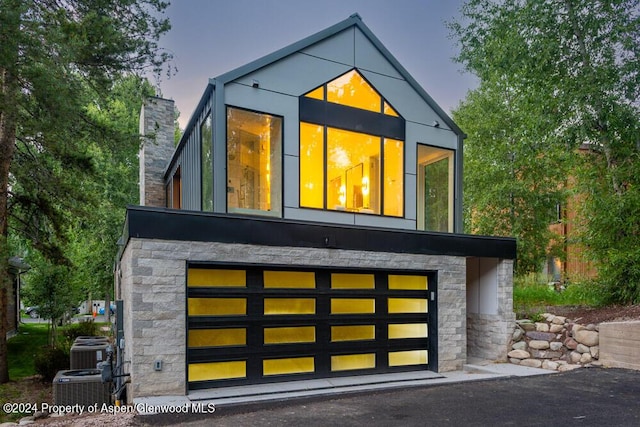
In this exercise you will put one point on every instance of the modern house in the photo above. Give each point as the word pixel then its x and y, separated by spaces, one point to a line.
pixel 307 225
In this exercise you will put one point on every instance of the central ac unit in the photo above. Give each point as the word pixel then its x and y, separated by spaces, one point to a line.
pixel 80 386
pixel 87 354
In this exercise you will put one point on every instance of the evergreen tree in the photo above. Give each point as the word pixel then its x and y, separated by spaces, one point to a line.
pixel 55 59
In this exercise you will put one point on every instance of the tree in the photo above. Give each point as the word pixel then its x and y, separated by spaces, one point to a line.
pixel 49 287
pixel 581 59
pixel 513 171
pixel 54 58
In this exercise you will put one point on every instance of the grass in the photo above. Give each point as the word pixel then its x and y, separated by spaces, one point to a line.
pixel 24 385
pixel 23 347
pixel 532 294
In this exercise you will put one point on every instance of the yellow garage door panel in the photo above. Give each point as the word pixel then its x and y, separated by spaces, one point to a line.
pixel 217 337
pixel 289 279
pixel 411 357
pixel 352 281
pixel 293 365
pixel 408 330
pixel 407 305
pixel 402 282
pixel 353 333
pixel 217 370
pixel 217 306
pixel 290 335
pixel 348 362
pixel 216 277
pixel 282 306
pixel 353 306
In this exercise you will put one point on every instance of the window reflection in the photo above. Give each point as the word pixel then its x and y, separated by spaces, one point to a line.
pixel 435 189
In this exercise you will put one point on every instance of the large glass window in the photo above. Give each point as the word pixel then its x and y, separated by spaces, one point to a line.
pixel 206 149
pixel 435 189
pixel 254 153
pixel 351 154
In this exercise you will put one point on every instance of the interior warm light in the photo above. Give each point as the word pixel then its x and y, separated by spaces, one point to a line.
pixel 365 185
pixel 342 195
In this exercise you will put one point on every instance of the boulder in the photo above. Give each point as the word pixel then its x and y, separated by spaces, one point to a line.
pixel 564 368
pixel 532 363
pixel 586 337
pixel 520 345
pixel 594 351
pixel 585 358
pixel 559 320
pixel 570 343
pixel 556 328
pixel 542 327
pixel 555 346
pixel 539 344
pixel 574 357
pixel 518 354
pixel 581 348
pixel 542 336
pixel 548 364
pixel 545 354
pixel 517 334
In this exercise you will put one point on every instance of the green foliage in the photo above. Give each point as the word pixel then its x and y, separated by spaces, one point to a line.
pixel 532 294
pixel 556 77
pixel 513 172
pixel 75 330
pixel 49 360
pixel 23 348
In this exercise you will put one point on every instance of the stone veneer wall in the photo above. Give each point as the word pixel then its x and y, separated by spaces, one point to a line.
pixel 153 290
pixel 157 118
pixel 489 335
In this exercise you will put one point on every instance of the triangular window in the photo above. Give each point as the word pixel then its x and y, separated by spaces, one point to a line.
pixel 352 90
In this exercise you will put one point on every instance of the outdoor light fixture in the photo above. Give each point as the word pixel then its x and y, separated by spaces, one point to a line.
pixel 256 84
pixel 435 124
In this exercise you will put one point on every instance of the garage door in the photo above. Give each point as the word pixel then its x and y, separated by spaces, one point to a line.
pixel 257 324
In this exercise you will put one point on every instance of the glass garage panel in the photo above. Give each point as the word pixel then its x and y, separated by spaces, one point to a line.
pixel 408 330
pixel 217 337
pixel 353 333
pixel 292 365
pixel 407 305
pixel 280 306
pixel 353 306
pixel 290 335
pixel 353 361
pixel 410 283
pixel 217 370
pixel 215 277
pixel 352 281
pixel 411 357
pixel 217 306
pixel 290 279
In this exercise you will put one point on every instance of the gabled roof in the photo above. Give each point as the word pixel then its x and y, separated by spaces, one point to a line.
pixel 353 21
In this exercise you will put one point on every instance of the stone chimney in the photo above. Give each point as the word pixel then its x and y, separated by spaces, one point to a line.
pixel 156 127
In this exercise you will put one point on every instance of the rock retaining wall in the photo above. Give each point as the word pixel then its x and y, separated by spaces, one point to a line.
pixel 556 343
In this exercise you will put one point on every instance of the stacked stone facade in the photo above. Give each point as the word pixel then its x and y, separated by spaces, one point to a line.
pixel 156 127
pixel 153 286
pixel 488 334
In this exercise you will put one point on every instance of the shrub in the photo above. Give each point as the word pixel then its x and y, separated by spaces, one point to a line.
pixel 49 360
pixel 80 329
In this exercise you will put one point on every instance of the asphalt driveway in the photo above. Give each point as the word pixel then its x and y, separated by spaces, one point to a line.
pixel 584 397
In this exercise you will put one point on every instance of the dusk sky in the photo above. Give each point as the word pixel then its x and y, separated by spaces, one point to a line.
pixel 211 37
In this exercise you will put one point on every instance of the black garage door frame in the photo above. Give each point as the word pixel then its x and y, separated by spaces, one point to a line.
pixel 322 349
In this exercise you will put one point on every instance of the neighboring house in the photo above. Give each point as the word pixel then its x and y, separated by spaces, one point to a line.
pixel 573 265
pixel 306 226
